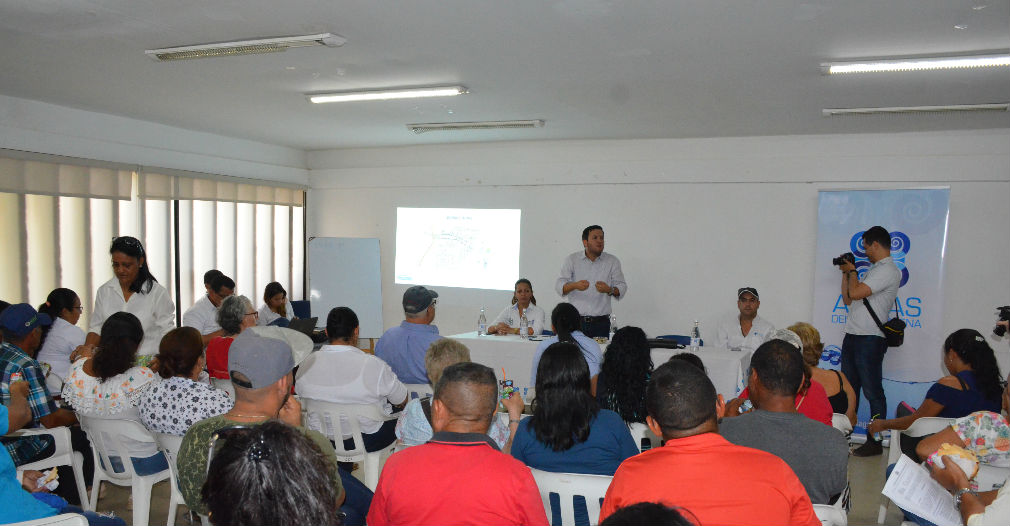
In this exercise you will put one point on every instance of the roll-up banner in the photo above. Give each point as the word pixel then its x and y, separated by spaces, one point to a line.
pixel 917 221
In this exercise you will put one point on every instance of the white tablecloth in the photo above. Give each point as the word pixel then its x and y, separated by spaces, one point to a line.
pixel 726 368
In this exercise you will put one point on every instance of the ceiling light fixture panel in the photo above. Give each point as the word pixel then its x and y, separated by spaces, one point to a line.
pixel 834 112
pixel 915 64
pixel 388 94
pixel 244 47
pixel 481 125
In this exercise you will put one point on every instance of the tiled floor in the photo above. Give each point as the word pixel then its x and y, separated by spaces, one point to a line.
pixel 866 476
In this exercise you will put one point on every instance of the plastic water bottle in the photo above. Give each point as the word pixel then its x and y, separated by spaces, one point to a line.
pixel 613 325
pixel 482 323
pixel 695 337
pixel 524 325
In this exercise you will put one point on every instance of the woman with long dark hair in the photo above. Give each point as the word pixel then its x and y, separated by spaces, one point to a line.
pixel 271 474
pixel 568 432
pixel 62 337
pixel 973 385
pixel 107 383
pixel 135 290
pixel 565 322
pixel 627 366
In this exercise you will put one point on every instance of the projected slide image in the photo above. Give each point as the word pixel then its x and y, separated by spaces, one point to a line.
pixel 457 247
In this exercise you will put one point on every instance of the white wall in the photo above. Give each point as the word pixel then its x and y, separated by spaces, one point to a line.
pixel 33 126
pixel 691 220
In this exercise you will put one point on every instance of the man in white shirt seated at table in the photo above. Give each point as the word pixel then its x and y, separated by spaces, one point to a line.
pixel 745 331
pixel 202 316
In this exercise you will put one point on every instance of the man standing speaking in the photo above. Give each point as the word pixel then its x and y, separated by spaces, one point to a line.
pixel 589 279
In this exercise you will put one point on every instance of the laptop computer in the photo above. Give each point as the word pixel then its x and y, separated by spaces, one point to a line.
pixel 305 326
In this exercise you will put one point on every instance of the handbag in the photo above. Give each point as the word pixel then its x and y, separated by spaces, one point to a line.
pixel 894 329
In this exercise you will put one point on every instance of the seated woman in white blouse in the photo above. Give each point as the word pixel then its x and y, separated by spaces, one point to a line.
pixel 105 383
pixel 133 290
pixel 523 304
pixel 62 337
pixel 276 309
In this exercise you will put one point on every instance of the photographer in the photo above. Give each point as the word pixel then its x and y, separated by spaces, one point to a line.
pixel 864 345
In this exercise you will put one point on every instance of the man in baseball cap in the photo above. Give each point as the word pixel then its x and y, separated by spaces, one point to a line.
pixel 21 326
pixel 261 371
pixel 743 331
pixel 403 346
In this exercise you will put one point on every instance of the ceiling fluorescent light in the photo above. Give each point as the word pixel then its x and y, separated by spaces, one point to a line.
pixel 245 47
pixel 390 94
pixel 483 125
pixel 915 64
pixel 831 112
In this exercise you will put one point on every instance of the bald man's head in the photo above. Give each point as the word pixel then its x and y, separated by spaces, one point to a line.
pixel 468 393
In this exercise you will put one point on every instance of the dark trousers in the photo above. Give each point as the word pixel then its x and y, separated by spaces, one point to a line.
pixel 359 499
pixel 863 363
pixel 595 326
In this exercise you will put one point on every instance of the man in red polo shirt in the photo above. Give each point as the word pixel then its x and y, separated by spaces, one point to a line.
pixel 698 470
pixel 459 476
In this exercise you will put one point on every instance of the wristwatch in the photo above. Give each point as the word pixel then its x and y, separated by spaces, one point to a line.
pixel 960 493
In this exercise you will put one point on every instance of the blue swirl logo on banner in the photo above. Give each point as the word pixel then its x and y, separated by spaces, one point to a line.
pixel 832 354
pixel 900 244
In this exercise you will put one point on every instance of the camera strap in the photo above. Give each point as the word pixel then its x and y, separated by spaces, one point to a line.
pixel 874 314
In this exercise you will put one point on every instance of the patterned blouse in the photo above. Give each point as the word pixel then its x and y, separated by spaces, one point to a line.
pixel 93 397
pixel 177 403
pixel 987 434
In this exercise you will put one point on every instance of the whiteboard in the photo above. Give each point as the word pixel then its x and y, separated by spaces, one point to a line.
pixel 344 271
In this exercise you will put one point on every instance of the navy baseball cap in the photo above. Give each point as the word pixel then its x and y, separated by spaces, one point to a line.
pixel 418 298
pixel 22 318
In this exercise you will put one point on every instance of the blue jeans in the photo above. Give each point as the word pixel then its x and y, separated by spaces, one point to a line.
pixel 155 463
pixel 863 364
pixel 94 519
pixel 358 500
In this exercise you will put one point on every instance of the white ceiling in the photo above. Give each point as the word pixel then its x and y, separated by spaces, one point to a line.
pixel 592 69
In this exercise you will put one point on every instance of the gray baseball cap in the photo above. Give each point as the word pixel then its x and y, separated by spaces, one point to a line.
pixel 261 360
pixel 417 298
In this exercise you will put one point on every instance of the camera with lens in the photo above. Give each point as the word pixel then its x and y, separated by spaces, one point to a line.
pixel 1004 315
pixel 841 260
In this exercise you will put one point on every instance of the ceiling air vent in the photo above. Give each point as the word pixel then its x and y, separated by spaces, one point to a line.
pixel 244 47
pixel 483 125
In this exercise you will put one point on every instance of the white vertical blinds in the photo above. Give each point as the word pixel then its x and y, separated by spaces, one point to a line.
pixel 172 184
pixel 66 212
pixel 20 175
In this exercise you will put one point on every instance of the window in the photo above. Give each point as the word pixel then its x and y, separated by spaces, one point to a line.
pixel 68 210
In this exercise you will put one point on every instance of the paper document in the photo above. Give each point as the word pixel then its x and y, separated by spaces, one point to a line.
pixel 912 489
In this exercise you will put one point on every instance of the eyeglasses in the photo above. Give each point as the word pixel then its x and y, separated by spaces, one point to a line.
pixel 254 314
pixel 128 241
pixel 434 301
pixel 79 307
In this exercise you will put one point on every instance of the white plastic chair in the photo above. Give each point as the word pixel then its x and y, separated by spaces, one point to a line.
pixel 107 435
pixel 921 427
pixel 988 476
pixel 841 423
pixel 836 514
pixel 418 391
pixel 567 486
pixel 336 428
pixel 640 433
pixel 225 385
pixel 64 455
pixel 66 519
pixel 169 446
